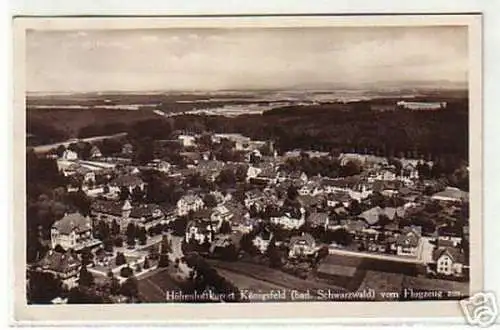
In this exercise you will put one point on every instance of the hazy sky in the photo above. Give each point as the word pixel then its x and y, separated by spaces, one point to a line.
pixel 211 59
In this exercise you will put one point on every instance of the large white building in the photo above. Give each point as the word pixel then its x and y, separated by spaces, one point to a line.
pixel 189 203
pixel 73 231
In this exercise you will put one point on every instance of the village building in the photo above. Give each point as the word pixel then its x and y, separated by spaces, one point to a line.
pixel 73 232
pixel 187 140
pixel 127 149
pixel 412 105
pixel 64 265
pixel 451 194
pixel 200 231
pixel 188 203
pixel 261 240
pixel 407 243
pixel 159 165
pixel 128 181
pixel 219 215
pixel 69 155
pixel 123 213
pixel 303 246
pixel 338 197
pixel 318 220
pixel 95 153
pixel 288 221
pixel 311 188
pixel 449 261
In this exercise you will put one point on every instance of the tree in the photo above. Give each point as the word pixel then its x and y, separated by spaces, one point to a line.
pixel 226 228
pixel 43 288
pixel 163 261
pixel 118 242
pixel 137 194
pixel 126 271
pixel 322 253
pixel 129 288
pixel 141 235
pixel 124 193
pixel 146 265
pixel 120 259
pixel 179 226
pixel 274 255
pixel 87 256
pixel 292 193
pixel 351 168
pixel 60 150
pixel 85 278
pixel 138 268
pixel 59 249
pixel 131 242
pixel 210 200
pixel 130 232
pixel 114 285
pixel 115 228
pixel 108 245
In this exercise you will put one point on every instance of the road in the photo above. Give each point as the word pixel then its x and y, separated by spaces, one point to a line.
pixel 47 147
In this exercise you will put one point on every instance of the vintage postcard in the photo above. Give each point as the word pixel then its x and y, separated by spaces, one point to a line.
pixel 193 169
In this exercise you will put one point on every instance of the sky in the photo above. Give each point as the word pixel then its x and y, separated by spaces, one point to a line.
pixel 234 59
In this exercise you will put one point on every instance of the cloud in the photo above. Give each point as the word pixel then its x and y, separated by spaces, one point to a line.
pixel 175 59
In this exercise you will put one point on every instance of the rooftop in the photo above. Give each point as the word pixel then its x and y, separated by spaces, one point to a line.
pixel 73 222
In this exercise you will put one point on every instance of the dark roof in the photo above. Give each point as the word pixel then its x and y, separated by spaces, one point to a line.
pixel 73 221
pixel 144 211
pixel 107 207
pixel 339 196
pixel 127 181
pixel 452 252
pixel 59 262
pixel 203 214
pixel 318 218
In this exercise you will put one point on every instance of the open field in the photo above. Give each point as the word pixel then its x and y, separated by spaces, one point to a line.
pixel 248 283
pixel 272 276
pixel 152 288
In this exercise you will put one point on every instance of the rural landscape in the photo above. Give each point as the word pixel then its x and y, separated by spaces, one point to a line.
pixel 323 190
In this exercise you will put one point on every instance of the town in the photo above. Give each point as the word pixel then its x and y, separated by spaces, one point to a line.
pixel 225 212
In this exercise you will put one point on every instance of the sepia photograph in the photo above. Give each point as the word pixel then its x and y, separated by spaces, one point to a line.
pixel 292 162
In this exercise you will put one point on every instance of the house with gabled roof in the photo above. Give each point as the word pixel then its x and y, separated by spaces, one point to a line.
pixel 73 232
pixel 449 261
pixel 128 181
pixel 408 241
pixel 302 246
pixel 64 265
pixel 318 219
pixel 188 203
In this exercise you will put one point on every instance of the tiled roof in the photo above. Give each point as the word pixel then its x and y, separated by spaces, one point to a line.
pixel 452 252
pixel 59 262
pixel 107 207
pixel 73 221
